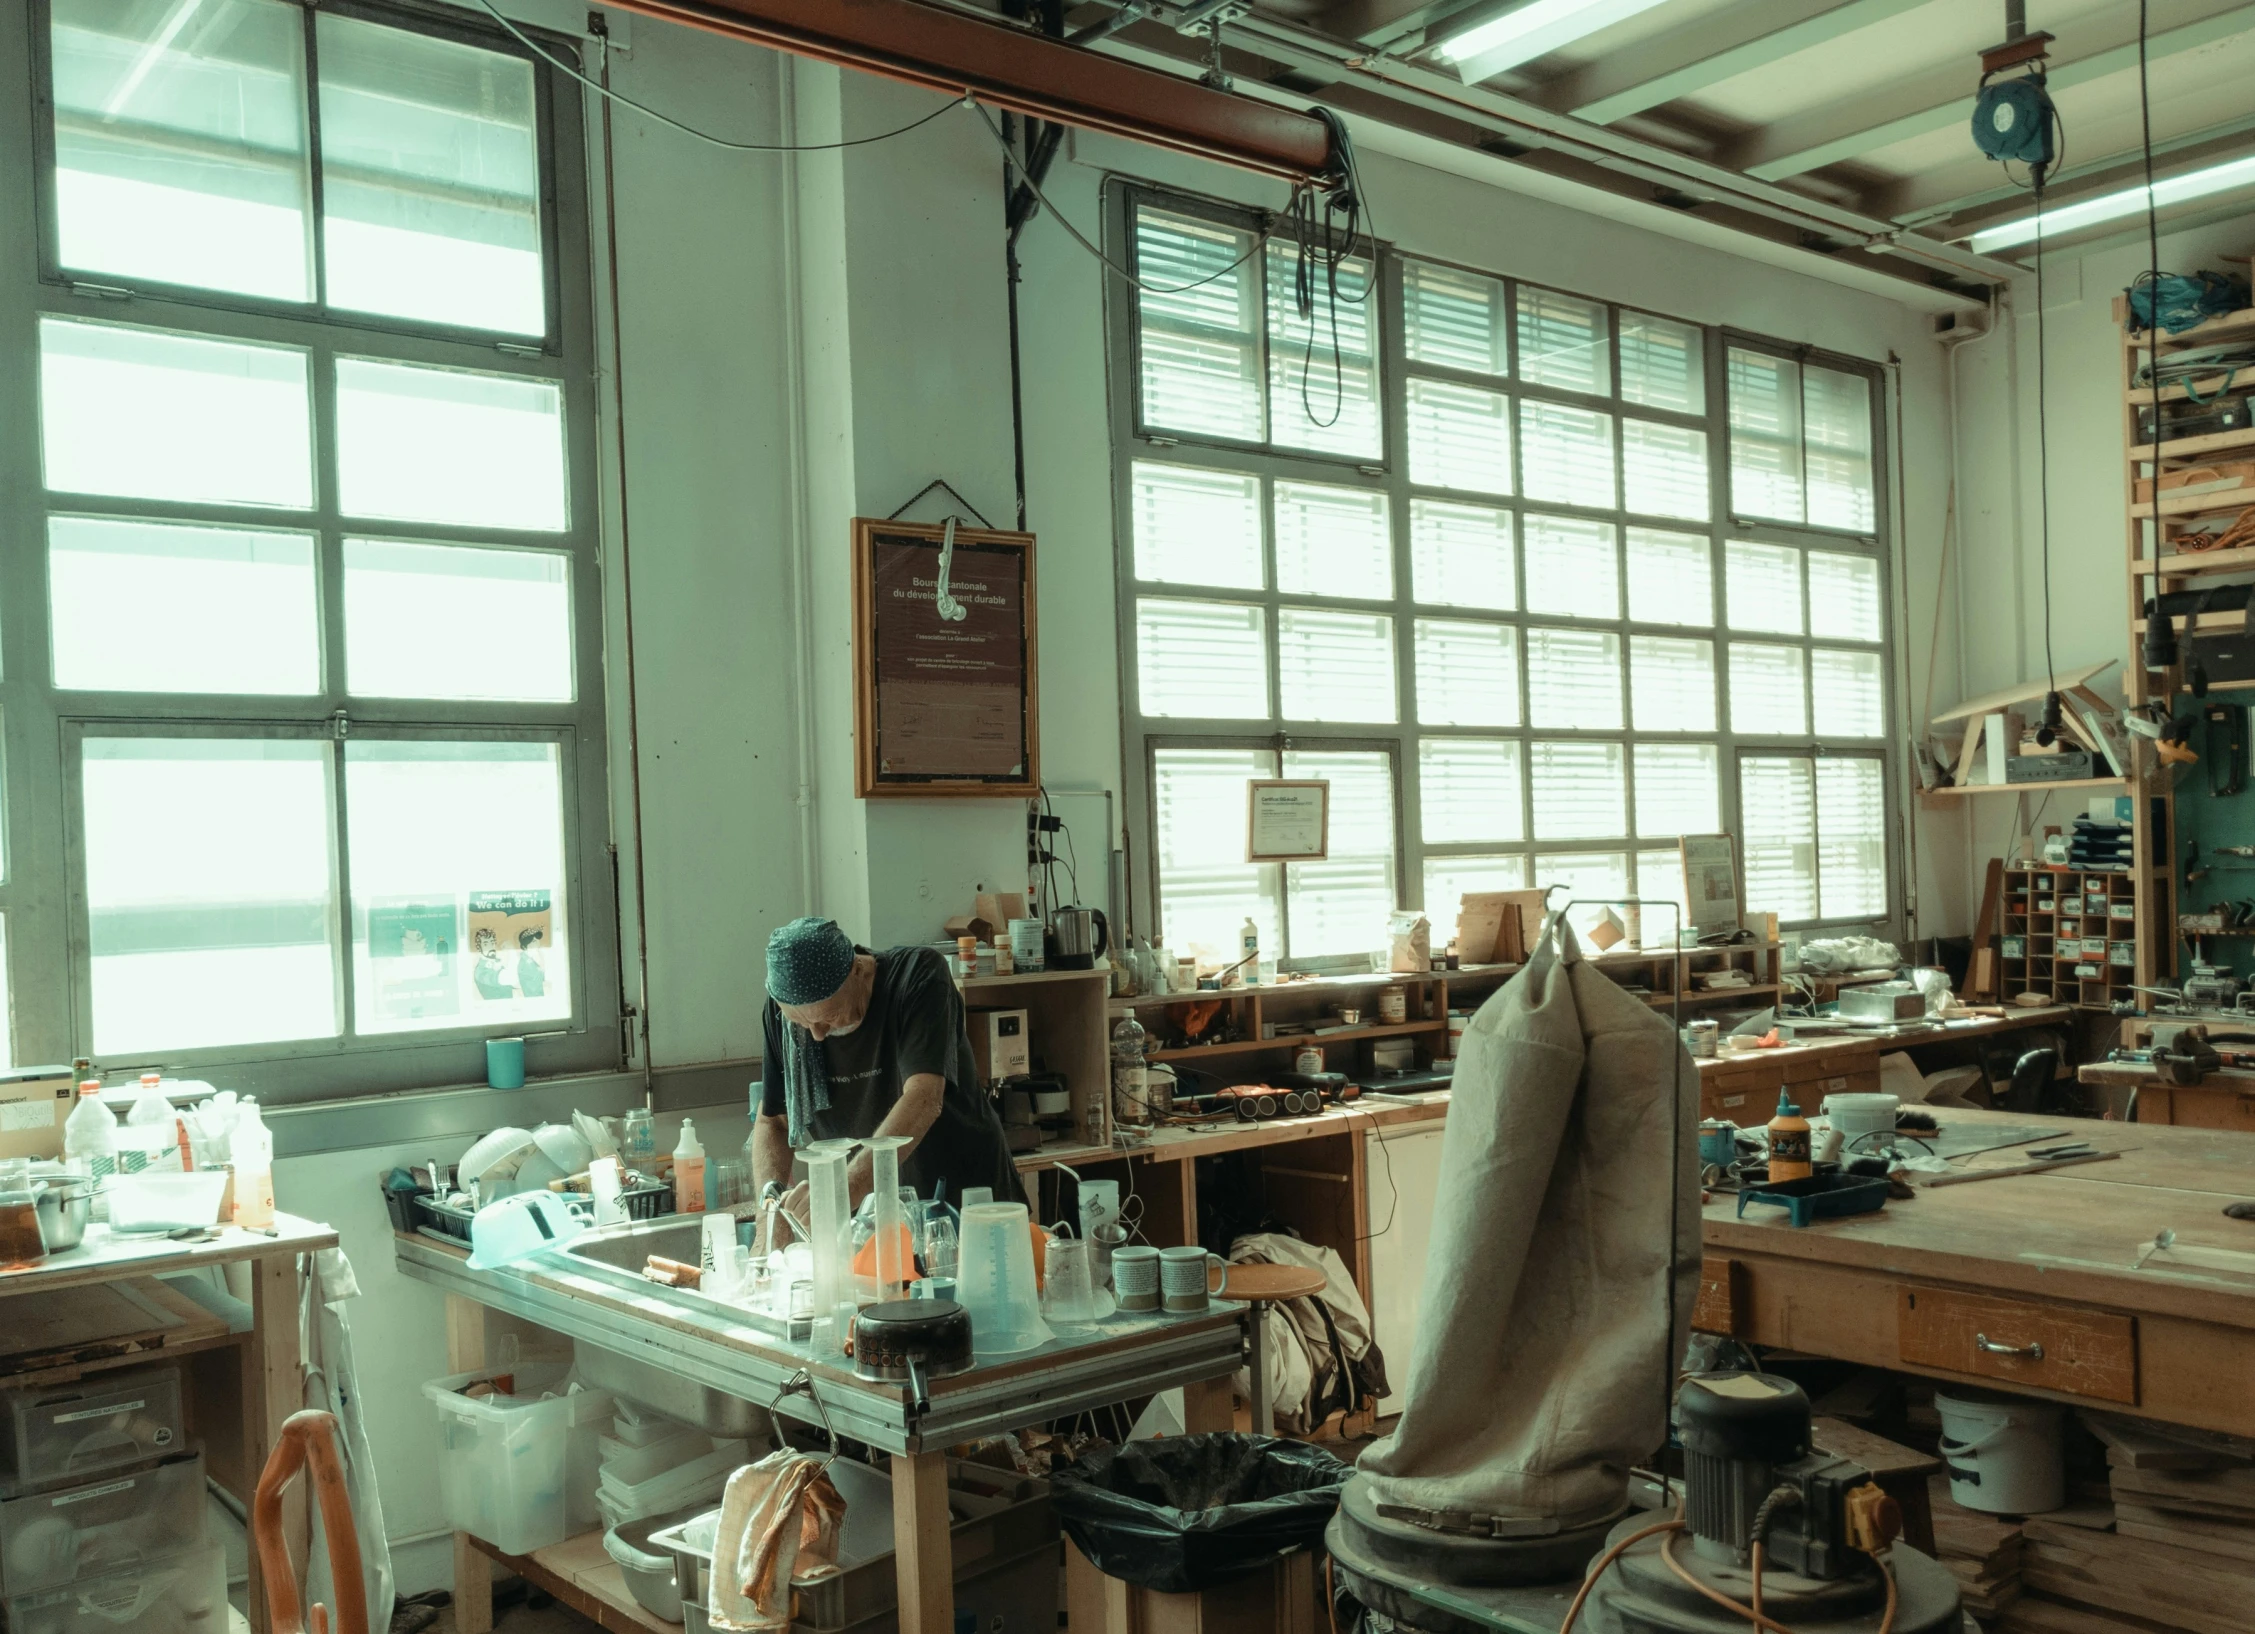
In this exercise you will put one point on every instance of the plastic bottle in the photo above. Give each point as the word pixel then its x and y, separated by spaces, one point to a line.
pixel 90 1136
pixel 1789 1142
pixel 1248 949
pixel 689 1171
pixel 640 1137
pixel 1131 1097
pixel 151 1137
pixel 253 1147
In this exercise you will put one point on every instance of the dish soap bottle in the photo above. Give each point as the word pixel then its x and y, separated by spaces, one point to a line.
pixel 689 1171
pixel 1789 1142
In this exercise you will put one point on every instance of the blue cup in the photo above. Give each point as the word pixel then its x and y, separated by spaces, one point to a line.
pixel 505 1063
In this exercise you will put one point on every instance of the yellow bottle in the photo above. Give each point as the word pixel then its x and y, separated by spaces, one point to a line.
pixel 1789 1143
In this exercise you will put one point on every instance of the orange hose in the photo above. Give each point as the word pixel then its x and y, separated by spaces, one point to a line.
pixel 1759 1620
pixel 1757 1582
pixel 1605 1563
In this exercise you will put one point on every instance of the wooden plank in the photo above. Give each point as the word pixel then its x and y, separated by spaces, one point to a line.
pixel 473 1559
pixel 924 1562
pixel 2192 564
pixel 603 1599
pixel 2180 1586
pixel 273 1389
pixel 1983 985
pixel 1720 1296
pixel 65 1331
pixel 1208 1405
pixel 2233 1540
pixel 2026 692
pixel 2033 1614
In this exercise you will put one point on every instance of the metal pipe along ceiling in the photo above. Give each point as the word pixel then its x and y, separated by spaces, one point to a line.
pixel 1026 73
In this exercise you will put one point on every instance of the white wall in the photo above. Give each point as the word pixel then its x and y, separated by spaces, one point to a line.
pixel 1999 568
pixel 807 340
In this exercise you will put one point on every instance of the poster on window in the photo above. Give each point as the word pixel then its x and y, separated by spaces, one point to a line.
pixel 511 933
pixel 414 950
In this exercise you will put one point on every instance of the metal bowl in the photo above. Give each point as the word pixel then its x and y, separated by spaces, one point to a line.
pixel 64 1209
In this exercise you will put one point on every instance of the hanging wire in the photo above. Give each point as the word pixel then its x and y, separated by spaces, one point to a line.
pixel 604 91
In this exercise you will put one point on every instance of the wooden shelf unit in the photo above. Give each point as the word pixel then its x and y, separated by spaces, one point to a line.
pixel 2070 934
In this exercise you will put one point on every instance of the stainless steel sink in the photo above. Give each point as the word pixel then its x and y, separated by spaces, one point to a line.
pixel 620 1252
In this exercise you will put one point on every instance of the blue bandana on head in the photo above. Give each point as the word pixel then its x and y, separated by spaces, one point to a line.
pixel 808 960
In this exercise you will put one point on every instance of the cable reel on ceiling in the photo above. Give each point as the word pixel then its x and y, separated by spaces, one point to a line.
pixel 2014 119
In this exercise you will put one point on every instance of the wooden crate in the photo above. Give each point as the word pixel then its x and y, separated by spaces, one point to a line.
pixel 1287 1598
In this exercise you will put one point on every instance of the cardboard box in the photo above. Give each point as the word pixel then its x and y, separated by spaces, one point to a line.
pixel 34 1102
pixel 1498 927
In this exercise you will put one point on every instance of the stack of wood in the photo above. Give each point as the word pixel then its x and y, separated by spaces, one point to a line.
pixel 1983 1552
pixel 2180 1487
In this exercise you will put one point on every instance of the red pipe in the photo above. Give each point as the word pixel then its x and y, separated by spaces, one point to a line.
pixel 1026 73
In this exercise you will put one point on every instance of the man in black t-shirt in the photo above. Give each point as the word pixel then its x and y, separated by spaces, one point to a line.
pixel 860 1044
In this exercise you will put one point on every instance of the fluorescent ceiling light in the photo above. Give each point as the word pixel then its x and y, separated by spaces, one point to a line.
pixel 2193 184
pixel 1528 31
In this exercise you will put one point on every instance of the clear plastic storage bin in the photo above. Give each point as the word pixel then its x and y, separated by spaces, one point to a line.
pixel 185 1593
pixel 505 1463
pixel 71 1432
pixel 49 1540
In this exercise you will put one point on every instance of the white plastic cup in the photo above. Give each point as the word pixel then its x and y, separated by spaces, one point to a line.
pixel 1072 1284
pixel 995 1280
pixel 1100 1205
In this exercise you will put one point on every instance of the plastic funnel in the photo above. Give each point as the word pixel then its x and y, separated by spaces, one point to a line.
pixel 995 1280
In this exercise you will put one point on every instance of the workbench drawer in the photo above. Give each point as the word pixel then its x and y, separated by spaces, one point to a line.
pixel 1745 1095
pixel 2014 1341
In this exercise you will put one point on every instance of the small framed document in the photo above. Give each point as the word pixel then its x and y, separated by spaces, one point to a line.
pixel 1287 820
pixel 1710 882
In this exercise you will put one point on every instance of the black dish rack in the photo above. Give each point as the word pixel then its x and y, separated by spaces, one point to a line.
pixel 645 1200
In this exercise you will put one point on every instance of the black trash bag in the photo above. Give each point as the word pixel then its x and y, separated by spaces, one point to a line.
pixel 1193 1511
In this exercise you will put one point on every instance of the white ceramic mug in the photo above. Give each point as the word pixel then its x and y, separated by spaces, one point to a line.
pixel 1183 1280
pixel 1135 1277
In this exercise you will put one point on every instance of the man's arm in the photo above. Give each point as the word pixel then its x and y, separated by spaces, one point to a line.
pixel 912 1115
pixel 771 1152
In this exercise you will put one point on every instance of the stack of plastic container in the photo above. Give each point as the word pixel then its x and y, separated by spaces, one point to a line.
pixel 652 1465
pixel 517 1453
pixel 102 1511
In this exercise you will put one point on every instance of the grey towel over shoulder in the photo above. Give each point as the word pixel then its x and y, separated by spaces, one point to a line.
pixel 1550 1319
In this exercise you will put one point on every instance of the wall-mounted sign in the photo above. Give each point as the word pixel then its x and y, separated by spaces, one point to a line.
pixel 1287 820
pixel 1710 882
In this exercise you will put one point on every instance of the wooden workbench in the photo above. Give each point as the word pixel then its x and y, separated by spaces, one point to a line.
pixel 238 1387
pixel 2032 1260
pixel 1744 1087
pixel 2224 1099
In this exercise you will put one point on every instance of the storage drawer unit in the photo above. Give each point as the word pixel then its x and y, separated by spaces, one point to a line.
pixel 73 1432
pixel 2013 1341
pixel 49 1540
pixel 184 1593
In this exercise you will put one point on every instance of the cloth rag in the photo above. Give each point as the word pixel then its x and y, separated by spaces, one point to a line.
pixel 779 1525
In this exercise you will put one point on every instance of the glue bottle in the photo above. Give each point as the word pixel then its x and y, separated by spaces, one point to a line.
pixel 689 1170
pixel 1789 1142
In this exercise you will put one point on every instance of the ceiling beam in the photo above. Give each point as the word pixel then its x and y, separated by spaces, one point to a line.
pixel 1795 146
pixel 1391 23
pixel 1687 60
pixel 1905 204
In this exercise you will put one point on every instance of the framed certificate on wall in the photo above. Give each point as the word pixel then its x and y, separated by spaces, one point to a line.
pixel 945 692
pixel 1287 819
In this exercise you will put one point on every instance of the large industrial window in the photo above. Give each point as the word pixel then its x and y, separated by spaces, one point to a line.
pixel 1539 583
pixel 303 698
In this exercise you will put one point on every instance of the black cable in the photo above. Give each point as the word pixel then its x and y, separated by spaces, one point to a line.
pixel 2153 286
pixel 2043 443
pixel 604 91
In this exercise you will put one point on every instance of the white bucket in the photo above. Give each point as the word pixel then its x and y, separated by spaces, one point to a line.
pixel 1856 1116
pixel 2004 1453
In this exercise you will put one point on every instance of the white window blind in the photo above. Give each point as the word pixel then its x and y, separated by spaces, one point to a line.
pixel 1572 567
pixel 1762 587
pixel 1335 666
pixel 1333 542
pixel 1678 789
pixel 1470 791
pixel 1592 878
pixel 1777 810
pixel 1459 437
pixel 1836 410
pixel 1765 436
pixel 1768 690
pixel 1467 674
pixel 1207 890
pixel 1671 684
pixel 1461 555
pixel 1196 526
pixel 1851 839
pixel 1671 578
pixel 1849 693
pixel 1447 879
pixel 1664 469
pixel 1339 905
pixel 1579 787
pixel 1663 364
pixel 1453 318
pixel 1201 658
pixel 1844 596
pixel 1566 454
pixel 1200 347
pixel 1562 342
pixel 1573 678
pixel 1322 376
pixel 1659 878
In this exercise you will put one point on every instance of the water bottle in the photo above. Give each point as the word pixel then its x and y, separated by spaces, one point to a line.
pixel 90 1136
pixel 1131 1100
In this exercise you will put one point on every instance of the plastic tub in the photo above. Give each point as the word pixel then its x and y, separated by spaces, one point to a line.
pixel 166 1202
pixel 184 1593
pixel 648 1570
pixel 50 1540
pixel 1858 1115
pixel 2004 1453
pixel 71 1432
pixel 505 1462
pixel 698 1481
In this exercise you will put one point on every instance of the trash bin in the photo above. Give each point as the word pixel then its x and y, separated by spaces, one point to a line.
pixel 1195 1512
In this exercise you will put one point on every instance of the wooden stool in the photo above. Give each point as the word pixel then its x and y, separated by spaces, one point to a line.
pixel 1260 1286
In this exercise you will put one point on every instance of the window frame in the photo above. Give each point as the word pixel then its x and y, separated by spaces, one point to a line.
pixel 1135 442
pixel 42 725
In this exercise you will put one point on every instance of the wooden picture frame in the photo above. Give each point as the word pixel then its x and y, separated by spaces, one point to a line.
pixel 1278 815
pixel 944 707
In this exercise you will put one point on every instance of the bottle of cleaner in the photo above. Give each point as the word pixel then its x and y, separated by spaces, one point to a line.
pixel 689 1171
pixel 90 1135
pixel 1249 948
pixel 1789 1142
pixel 151 1136
pixel 254 1170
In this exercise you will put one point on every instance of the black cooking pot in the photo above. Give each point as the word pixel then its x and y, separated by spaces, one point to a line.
pixel 908 1341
